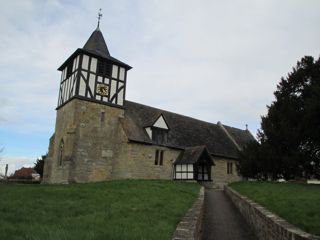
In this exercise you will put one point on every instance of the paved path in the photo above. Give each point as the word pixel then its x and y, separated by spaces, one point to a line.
pixel 222 221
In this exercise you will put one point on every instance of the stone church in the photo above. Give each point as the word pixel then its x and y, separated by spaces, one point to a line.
pixel 99 135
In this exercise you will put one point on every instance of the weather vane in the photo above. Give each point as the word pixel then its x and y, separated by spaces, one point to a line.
pixel 99 16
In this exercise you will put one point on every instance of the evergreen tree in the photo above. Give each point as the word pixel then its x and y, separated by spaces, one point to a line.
pixel 290 132
pixel 39 164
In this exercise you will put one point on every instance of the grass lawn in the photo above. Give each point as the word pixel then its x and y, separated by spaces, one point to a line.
pixel 128 209
pixel 299 204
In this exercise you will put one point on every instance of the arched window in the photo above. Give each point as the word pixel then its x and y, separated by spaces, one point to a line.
pixel 61 149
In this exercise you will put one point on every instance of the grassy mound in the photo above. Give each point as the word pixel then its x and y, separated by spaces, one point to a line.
pixel 128 209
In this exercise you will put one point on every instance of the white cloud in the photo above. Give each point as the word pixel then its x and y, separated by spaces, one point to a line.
pixel 213 60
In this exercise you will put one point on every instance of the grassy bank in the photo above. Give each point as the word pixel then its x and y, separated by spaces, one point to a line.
pixel 299 204
pixel 130 209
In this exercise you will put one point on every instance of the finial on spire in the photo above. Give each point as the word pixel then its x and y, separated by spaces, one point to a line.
pixel 247 127
pixel 99 17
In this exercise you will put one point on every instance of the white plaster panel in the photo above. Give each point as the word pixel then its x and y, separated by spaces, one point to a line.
pixel 61 77
pixel 67 89
pixel 77 62
pixel 184 167
pixel 190 167
pixel 93 67
pixel 62 92
pixel 115 71
pixel 73 65
pixel 184 175
pixel 91 82
pixel 160 123
pixel 178 167
pixel 64 73
pixel 82 88
pixel 107 81
pixel 100 79
pixel 121 74
pixel 120 97
pixel 190 175
pixel 85 62
pixel 178 175
pixel 113 88
pixel 149 132
pixel 74 88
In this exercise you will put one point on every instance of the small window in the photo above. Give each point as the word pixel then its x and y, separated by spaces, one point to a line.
pixel 61 150
pixel 159 157
pixel 156 160
pixel 102 117
pixel 104 68
pixel 229 168
pixel 184 172
pixel 69 69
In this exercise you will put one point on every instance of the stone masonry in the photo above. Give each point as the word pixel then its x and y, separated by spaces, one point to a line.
pixel 266 225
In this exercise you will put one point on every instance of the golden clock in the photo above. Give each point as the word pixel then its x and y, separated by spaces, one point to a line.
pixel 102 89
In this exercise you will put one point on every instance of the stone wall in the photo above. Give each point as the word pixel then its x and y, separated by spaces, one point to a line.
pixel 191 225
pixel 92 138
pixel 219 172
pixel 138 161
pixel 97 149
pixel 266 225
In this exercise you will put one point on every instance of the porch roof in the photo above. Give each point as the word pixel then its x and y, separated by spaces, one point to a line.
pixel 192 155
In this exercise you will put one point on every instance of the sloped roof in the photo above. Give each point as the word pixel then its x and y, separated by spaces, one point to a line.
pixel 184 131
pixel 242 137
pixel 96 44
pixel 191 155
pixel 23 172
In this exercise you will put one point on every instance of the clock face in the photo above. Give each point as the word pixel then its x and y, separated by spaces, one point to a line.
pixel 102 89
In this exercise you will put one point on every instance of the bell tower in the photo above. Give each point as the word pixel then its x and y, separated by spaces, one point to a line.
pixel 88 132
pixel 92 74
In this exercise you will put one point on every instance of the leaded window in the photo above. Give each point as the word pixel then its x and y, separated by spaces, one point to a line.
pixel 61 152
pixel 229 168
pixel 158 160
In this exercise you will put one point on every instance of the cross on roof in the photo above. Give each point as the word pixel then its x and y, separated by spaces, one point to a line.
pixel 99 16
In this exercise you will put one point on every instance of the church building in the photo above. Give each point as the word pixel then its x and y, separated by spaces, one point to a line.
pixel 99 135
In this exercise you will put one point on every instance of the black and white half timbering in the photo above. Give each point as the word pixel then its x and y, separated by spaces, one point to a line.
pixel 91 73
pixel 194 163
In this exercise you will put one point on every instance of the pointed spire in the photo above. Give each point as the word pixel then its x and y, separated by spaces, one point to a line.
pixel 96 44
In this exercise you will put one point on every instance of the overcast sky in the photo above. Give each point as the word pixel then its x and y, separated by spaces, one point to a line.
pixel 212 60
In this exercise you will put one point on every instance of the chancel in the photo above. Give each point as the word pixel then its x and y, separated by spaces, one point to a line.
pixel 99 135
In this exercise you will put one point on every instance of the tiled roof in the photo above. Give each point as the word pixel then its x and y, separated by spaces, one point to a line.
pixel 96 44
pixel 184 131
pixel 191 155
pixel 23 172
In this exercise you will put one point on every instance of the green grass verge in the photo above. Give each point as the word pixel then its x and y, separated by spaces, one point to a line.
pixel 128 209
pixel 299 204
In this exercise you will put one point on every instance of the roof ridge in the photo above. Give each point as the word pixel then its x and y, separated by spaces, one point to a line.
pixel 173 113
pixel 184 115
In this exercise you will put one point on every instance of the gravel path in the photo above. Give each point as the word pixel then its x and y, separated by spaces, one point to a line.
pixel 222 221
